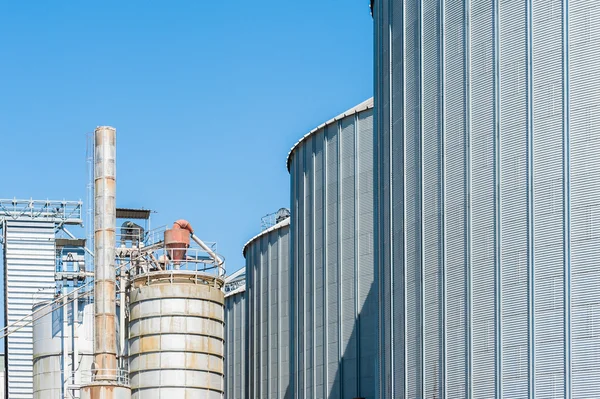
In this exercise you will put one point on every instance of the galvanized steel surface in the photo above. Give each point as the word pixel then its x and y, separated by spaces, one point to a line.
pixel 267 290
pixel 334 291
pixel 176 335
pixel 236 345
pixel 105 340
pixel 49 340
pixel 30 262
pixel 488 197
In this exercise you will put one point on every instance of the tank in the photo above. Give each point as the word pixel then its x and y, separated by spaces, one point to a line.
pixel 488 197
pixel 48 340
pixel 236 344
pixel 268 295
pixel 176 336
pixel 334 290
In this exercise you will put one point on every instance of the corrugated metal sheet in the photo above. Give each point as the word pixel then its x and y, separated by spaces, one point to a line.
pixel 29 278
pixel 236 346
pixel 334 299
pixel 267 306
pixel 488 197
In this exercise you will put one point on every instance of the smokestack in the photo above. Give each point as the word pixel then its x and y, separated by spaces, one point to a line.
pixel 105 343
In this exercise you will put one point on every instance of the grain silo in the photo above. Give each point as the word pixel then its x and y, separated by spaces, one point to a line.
pixel 63 346
pixel 334 292
pixel 488 194
pixel 236 337
pixel 176 323
pixel 267 290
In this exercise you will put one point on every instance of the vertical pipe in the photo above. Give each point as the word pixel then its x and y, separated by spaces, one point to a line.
pixel 74 380
pixel 65 343
pixel 105 345
pixel 122 309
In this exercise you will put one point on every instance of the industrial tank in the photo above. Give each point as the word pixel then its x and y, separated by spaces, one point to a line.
pixel 488 197
pixel 176 334
pixel 334 290
pixel 236 342
pixel 267 290
pixel 51 333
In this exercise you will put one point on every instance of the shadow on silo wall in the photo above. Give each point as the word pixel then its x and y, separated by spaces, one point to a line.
pixel 356 376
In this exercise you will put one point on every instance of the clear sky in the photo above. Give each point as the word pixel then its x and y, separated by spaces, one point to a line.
pixel 207 97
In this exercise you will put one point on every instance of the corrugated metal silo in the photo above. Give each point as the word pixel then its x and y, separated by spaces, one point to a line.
pixel 488 193
pixel 267 289
pixel 236 343
pixel 176 336
pixel 334 291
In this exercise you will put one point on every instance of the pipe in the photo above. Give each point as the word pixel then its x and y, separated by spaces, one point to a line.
pixel 185 225
pixel 66 369
pixel 75 362
pixel 105 343
pixel 122 308
pixel 213 255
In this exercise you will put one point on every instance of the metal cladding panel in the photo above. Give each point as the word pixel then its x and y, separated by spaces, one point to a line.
pixel 29 278
pixel 487 198
pixel 431 174
pixel 236 346
pixel 334 306
pixel 267 296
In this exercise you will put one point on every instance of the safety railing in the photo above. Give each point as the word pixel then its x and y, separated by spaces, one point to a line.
pixel 130 236
pixel 121 376
pixel 69 212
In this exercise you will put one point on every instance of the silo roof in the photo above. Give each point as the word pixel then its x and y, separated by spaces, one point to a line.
pixel 354 110
pixel 279 225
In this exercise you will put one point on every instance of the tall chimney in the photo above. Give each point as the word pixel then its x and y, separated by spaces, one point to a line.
pixel 105 342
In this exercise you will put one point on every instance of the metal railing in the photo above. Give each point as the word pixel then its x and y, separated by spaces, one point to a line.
pixel 69 212
pixel 121 376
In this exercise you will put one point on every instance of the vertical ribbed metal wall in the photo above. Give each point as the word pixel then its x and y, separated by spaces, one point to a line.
pixel 236 346
pixel 334 293
pixel 30 263
pixel 488 197
pixel 268 295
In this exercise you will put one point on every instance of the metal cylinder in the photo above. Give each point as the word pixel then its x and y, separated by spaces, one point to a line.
pixel 176 336
pixel 50 338
pixel 334 287
pixel 105 343
pixel 236 345
pixel 488 198
pixel 268 296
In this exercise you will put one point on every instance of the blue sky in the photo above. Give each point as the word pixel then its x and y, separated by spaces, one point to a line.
pixel 207 97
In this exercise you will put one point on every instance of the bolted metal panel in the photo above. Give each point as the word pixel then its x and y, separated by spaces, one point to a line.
pixel 267 307
pixel 334 300
pixel 29 256
pixel 236 346
pixel 486 197
pixel 49 341
pixel 176 338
